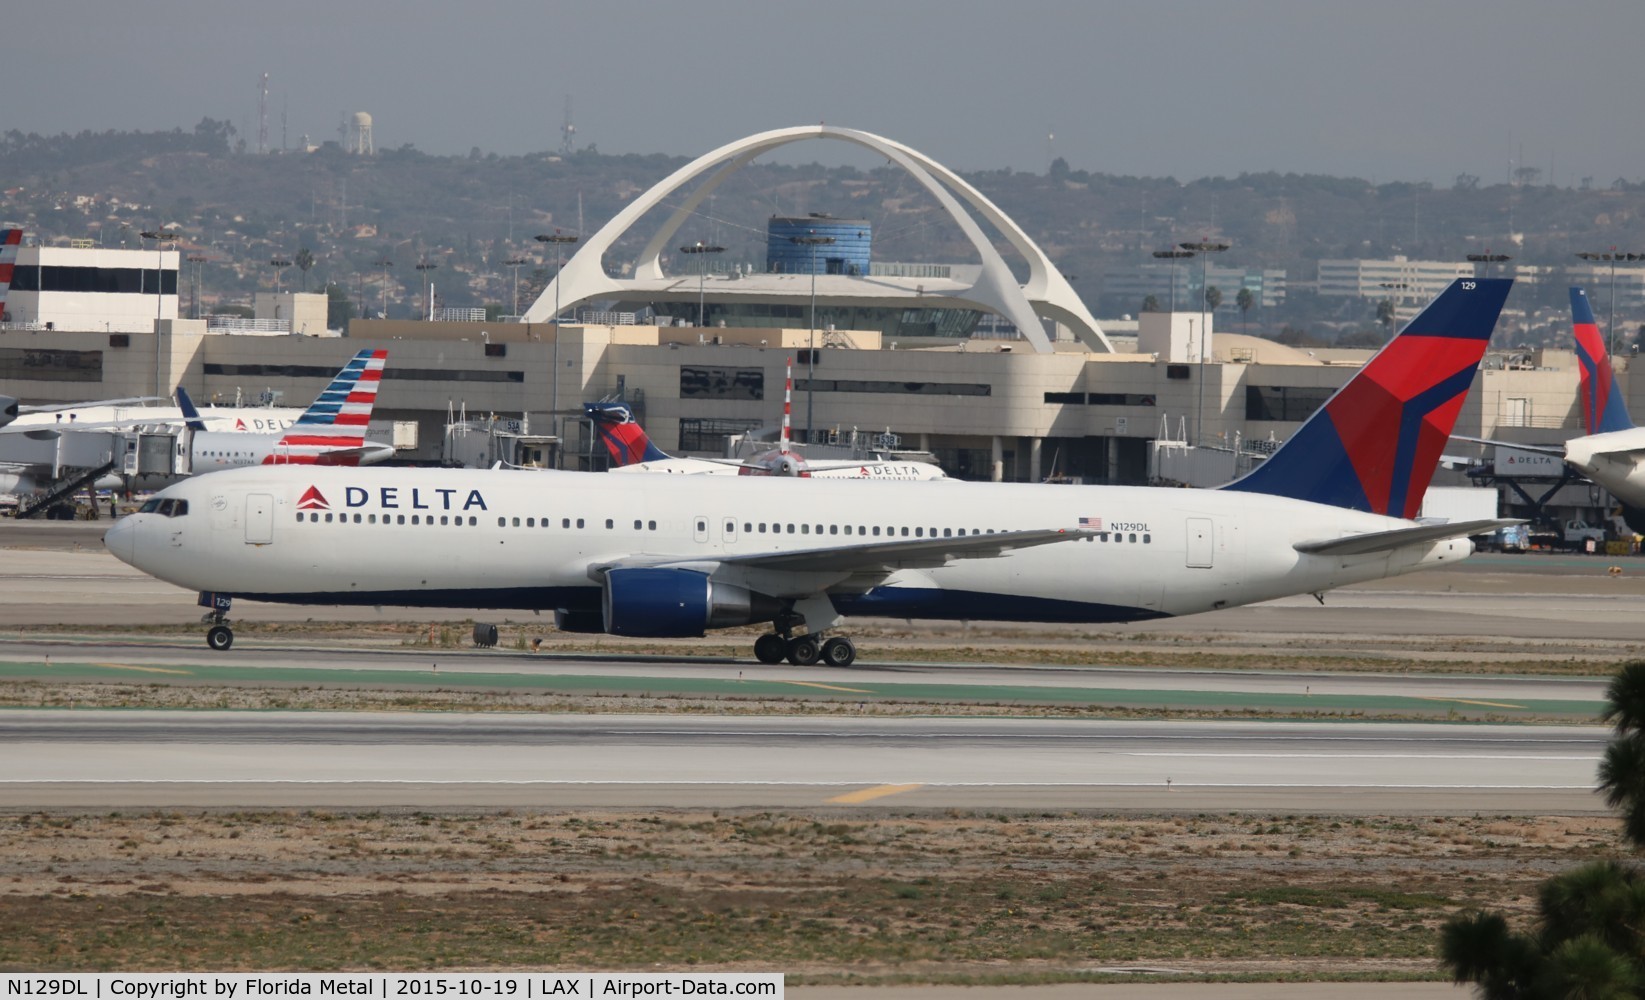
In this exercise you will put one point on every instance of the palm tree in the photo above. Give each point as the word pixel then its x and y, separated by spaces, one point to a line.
pixel 1244 300
pixel 1385 316
pixel 1150 304
pixel 1213 298
pixel 1589 940
pixel 304 260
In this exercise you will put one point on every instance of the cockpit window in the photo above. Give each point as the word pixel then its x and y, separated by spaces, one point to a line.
pixel 164 507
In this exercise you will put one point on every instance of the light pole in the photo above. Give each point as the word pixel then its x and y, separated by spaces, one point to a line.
pixel 427 281
pixel 1612 256
pixel 698 250
pixel 560 241
pixel 1205 248
pixel 813 241
pixel 1173 256
pixel 1487 258
pixel 279 264
pixel 385 264
pixel 159 236
pixel 515 263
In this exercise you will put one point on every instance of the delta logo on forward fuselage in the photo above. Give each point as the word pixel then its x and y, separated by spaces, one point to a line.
pixel 395 498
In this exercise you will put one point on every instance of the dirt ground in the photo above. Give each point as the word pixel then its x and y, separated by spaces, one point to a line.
pixel 825 896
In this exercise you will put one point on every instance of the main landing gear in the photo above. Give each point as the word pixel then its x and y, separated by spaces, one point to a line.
pixel 804 650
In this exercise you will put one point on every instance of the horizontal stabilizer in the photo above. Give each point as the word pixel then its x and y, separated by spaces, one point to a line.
pixel 1557 450
pixel 1387 541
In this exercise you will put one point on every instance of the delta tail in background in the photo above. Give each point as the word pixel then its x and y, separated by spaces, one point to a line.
pixel 631 450
pixel 616 554
pixel 330 432
pixel 1612 451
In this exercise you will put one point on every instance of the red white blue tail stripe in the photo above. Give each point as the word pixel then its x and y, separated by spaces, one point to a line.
pixel 1374 445
pixel 1602 407
pixel 10 240
pixel 337 419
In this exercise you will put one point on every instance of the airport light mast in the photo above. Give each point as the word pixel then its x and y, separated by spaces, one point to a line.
pixel 813 241
pixel 426 279
pixel 698 250
pixel 1611 257
pixel 560 241
pixel 1204 248
pixel 159 236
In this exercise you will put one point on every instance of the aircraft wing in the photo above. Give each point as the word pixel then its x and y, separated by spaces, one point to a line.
pixel 873 557
pixel 128 401
pixel 1387 541
pixel 1557 450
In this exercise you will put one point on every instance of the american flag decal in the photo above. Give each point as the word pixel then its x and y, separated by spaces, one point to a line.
pixel 1094 523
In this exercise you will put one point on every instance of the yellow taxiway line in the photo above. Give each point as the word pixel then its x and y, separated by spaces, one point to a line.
pixel 869 794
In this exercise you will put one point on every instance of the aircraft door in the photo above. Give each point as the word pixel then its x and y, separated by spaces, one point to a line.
pixel 700 527
pixel 259 519
pixel 1200 542
pixel 729 534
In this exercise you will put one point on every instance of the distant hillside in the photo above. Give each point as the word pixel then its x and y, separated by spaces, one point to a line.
pixel 471 214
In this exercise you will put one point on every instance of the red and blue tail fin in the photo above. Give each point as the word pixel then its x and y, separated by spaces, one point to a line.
pixel 337 419
pixel 625 440
pixel 1374 445
pixel 1602 406
pixel 10 240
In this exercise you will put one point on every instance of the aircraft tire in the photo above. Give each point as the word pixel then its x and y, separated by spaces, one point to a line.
pixel 839 652
pixel 220 638
pixel 804 651
pixel 770 648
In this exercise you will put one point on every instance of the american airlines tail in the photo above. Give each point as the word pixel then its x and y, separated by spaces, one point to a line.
pixel 1603 409
pixel 1344 455
pixel 625 440
pixel 10 240
pixel 333 429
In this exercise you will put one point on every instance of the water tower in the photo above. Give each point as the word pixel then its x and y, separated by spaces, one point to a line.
pixel 359 135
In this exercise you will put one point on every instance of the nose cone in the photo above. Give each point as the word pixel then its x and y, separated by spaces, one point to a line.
pixel 122 539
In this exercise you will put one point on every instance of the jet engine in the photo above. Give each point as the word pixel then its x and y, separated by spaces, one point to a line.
pixel 676 603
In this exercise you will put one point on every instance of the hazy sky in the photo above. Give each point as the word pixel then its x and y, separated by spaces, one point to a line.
pixel 1381 89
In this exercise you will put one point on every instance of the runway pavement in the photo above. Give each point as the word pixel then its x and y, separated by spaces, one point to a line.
pixel 429 760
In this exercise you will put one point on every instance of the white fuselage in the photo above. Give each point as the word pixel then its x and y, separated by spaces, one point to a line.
pixel 828 469
pixel 252 419
pixel 212 451
pixel 1614 460
pixel 537 540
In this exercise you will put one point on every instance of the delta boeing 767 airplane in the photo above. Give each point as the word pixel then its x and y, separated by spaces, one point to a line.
pixel 675 556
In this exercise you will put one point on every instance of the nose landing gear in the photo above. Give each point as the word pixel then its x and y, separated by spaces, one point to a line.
pixel 220 636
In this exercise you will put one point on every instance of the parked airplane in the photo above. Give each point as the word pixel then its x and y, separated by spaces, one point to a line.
pixel 8 409
pixel 330 432
pixel 631 450
pixel 620 555
pixel 1611 452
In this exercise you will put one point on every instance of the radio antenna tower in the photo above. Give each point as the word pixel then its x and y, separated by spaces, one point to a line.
pixel 262 116
pixel 568 131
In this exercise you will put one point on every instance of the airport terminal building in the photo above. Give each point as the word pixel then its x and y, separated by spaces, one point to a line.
pixel 889 352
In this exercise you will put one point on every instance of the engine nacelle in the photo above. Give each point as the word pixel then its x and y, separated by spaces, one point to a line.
pixel 677 603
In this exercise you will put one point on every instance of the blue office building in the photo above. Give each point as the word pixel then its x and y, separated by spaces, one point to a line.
pixel 848 254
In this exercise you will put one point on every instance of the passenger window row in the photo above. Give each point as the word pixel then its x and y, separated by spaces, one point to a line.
pixel 177 508
pixel 453 520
